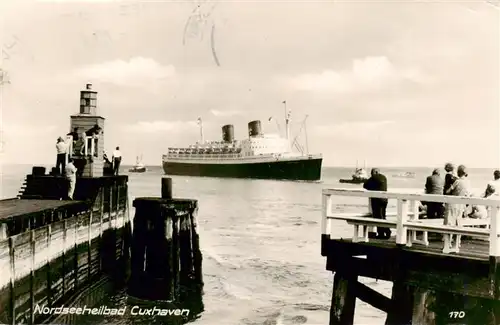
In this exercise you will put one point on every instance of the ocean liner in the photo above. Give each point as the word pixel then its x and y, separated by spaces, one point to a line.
pixel 262 156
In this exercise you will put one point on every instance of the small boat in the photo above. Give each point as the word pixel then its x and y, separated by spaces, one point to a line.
pixel 405 175
pixel 138 167
pixel 359 177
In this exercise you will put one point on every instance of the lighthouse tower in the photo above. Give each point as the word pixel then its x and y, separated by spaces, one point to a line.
pixel 88 154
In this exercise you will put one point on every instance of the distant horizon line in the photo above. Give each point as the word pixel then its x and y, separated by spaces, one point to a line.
pixel 324 166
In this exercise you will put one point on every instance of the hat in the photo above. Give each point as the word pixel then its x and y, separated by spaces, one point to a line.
pixel 435 171
pixel 449 167
pixel 60 139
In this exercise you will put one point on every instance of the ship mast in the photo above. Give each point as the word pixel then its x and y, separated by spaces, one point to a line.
pixel 305 132
pixel 200 123
pixel 287 121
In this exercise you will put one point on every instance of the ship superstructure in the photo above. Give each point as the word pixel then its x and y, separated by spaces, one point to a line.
pixel 267 156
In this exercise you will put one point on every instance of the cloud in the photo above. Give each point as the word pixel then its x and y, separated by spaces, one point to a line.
pixel 369 73
pixel 12 131
pixel 357 129
pixel 224 113
pixel 160 126
pixel 137 71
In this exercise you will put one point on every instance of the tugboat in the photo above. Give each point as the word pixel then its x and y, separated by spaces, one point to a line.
pixel 138 167
pixel 360 176
pixel 262 156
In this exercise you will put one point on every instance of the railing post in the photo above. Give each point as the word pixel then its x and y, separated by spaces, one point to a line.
pixel 93 142
pixel 494 231
pixel 327 208
pixel 85 145
pixel 402 218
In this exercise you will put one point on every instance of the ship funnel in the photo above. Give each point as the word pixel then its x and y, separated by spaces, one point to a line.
pixel 254 128
pixel 228 133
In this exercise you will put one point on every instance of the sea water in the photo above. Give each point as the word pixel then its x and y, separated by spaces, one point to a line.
pixel 260 241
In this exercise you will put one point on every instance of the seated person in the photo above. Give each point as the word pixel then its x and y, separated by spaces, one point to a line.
pixel 480 211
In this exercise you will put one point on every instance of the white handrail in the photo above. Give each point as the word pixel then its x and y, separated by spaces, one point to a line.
pixel 406 222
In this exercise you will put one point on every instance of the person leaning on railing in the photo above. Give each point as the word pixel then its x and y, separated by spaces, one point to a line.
pixel 378 182
pixel 449 178
pixel 434 185
pixel 460 187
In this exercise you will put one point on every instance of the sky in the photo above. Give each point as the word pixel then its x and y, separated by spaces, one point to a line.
pixel 392 83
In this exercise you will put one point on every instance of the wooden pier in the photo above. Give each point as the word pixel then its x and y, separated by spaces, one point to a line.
pixel 52 249
pixel 431 285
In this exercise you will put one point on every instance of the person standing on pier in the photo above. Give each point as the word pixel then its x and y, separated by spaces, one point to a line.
pixel 449 178
pixel 117 159
pixel 70 174
pixel 434 185
pixel 61 155
pixel 378 182
pixel 454 212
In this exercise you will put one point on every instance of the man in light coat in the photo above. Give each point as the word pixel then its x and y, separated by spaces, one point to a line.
pixel 70 174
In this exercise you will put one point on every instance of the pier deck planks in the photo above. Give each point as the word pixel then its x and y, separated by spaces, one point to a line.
pixel 469 249
pixel 15 207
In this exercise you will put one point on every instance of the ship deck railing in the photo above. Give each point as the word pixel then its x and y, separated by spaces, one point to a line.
pixel 408 227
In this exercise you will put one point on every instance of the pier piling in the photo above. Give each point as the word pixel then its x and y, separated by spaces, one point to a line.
pixel 166 259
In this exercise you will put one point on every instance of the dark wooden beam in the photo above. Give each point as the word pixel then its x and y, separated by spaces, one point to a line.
pixel 372 297
pixel 343 299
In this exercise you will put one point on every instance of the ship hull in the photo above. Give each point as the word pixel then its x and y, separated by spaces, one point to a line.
pixel 352 181
pixel 305 169
pixel 137 170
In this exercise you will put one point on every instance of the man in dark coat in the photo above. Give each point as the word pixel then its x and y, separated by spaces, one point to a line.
pixel 378 182
pixel 434 185
pixel 449 178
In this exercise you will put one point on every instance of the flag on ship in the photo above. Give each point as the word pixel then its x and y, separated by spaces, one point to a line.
pixel 270 119
pixel 198 120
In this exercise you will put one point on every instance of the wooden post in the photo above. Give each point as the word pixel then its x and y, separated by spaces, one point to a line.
pixel 101 216
pixel 49 255
pixel 175 255
pixel 325 222
pixel 169 231
pixel 12 281
pixel 186 250
pixel 75 252
pixel 3 231
pixel 197 257
pixel 166 188
pixel 89 243
pixel 110 206
pixel 65 224
pixel 495 254
pixel 32 276
pixel 494 231
pixel 402 304
pixel 401 230
pixel 117 204
pixel 343 299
